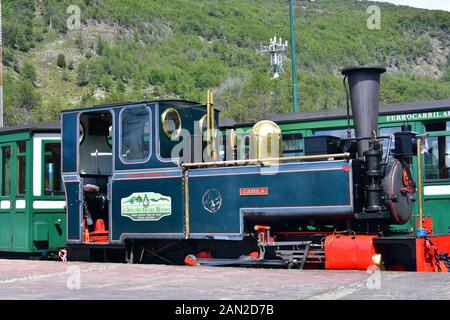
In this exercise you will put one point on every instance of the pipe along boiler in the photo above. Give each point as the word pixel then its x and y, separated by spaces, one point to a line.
pixel 144 184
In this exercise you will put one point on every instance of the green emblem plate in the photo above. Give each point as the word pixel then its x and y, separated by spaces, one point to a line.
pixel 146 206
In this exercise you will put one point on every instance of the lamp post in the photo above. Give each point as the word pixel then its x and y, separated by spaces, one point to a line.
pixel 294 57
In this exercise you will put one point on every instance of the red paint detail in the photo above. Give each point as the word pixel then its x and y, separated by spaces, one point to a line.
pixel 407 182
pixel 427 248
pixel 410 189
pixel 344 252
pixel 204 255
pixel 85 231
pixel 253 254
pixel 312 256
pixel 99 225
pixel 191 260
pixel 258 227
pixel 264 234
pixel 346 168
pixel 99 235
pixel 424 256
pixel 302 233
pixel 427 224
pixel 102 237
pixel 254 191
pixel 86 235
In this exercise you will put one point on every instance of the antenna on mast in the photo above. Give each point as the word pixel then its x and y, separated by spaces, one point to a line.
pixel 276 49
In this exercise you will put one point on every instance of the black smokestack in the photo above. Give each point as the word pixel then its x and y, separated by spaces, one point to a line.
pixel 364 85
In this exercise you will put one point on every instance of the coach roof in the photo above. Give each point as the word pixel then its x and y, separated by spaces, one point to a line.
pixel 397 108
pixel 50 127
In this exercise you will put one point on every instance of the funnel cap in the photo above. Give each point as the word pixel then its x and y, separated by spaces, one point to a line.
pixel 349 70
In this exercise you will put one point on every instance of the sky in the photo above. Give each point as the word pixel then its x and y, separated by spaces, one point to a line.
pixel 425 4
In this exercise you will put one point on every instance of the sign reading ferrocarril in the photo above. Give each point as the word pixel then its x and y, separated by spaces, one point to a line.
pixel 418 116
pixel 146 206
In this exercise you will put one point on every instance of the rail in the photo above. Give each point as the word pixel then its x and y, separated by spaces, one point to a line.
pixel 264 161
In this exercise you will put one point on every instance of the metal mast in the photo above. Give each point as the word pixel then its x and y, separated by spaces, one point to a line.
pixel 294 57
pixel 1 68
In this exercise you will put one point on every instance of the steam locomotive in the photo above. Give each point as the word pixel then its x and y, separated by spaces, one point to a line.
pixel 153 182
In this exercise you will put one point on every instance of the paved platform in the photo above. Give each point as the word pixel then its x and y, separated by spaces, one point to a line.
pixel 57 280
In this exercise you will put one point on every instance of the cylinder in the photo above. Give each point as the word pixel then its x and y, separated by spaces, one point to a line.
pixel 364 87
pixel 373 172
pixel 349 252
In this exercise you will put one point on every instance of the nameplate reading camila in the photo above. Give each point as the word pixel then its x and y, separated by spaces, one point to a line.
pixel 254 191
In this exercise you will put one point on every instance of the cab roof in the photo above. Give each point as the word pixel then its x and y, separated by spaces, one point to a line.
pixel 176 102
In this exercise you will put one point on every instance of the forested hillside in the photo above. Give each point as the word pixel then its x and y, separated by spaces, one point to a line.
pixel 131 49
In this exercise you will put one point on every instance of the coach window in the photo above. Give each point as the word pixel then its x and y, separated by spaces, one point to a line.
pixel 21 167
pixel 387 132
pixel 437 126
pixel 6 171
pixel 292 144
pixel 203 125
pixel 52 169
pixel 437 158
pixel 246 149
pixel 243 146
pixel 437 151
pixel 340 133
pixel 135 140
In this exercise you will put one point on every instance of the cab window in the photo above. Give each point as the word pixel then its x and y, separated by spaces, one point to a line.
pixel 135 139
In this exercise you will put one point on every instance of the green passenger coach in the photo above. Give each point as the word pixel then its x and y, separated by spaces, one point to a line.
pixel 429 117
pixel 32 201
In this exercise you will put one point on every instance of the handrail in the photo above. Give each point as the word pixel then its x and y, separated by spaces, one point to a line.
pixel 420 180
pixel 268 160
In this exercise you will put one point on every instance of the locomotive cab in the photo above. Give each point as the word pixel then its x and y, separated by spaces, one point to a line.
pixel 95 164
pixel 122 166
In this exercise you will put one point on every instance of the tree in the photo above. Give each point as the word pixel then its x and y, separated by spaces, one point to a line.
pixel 106 82
pixel 22 42
pixel 8 56
pixel 101 46
pixel 22 101
pixel 27 96
pixel 82 74
pixel 28 72
pixel 61 61
pixel 120 87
